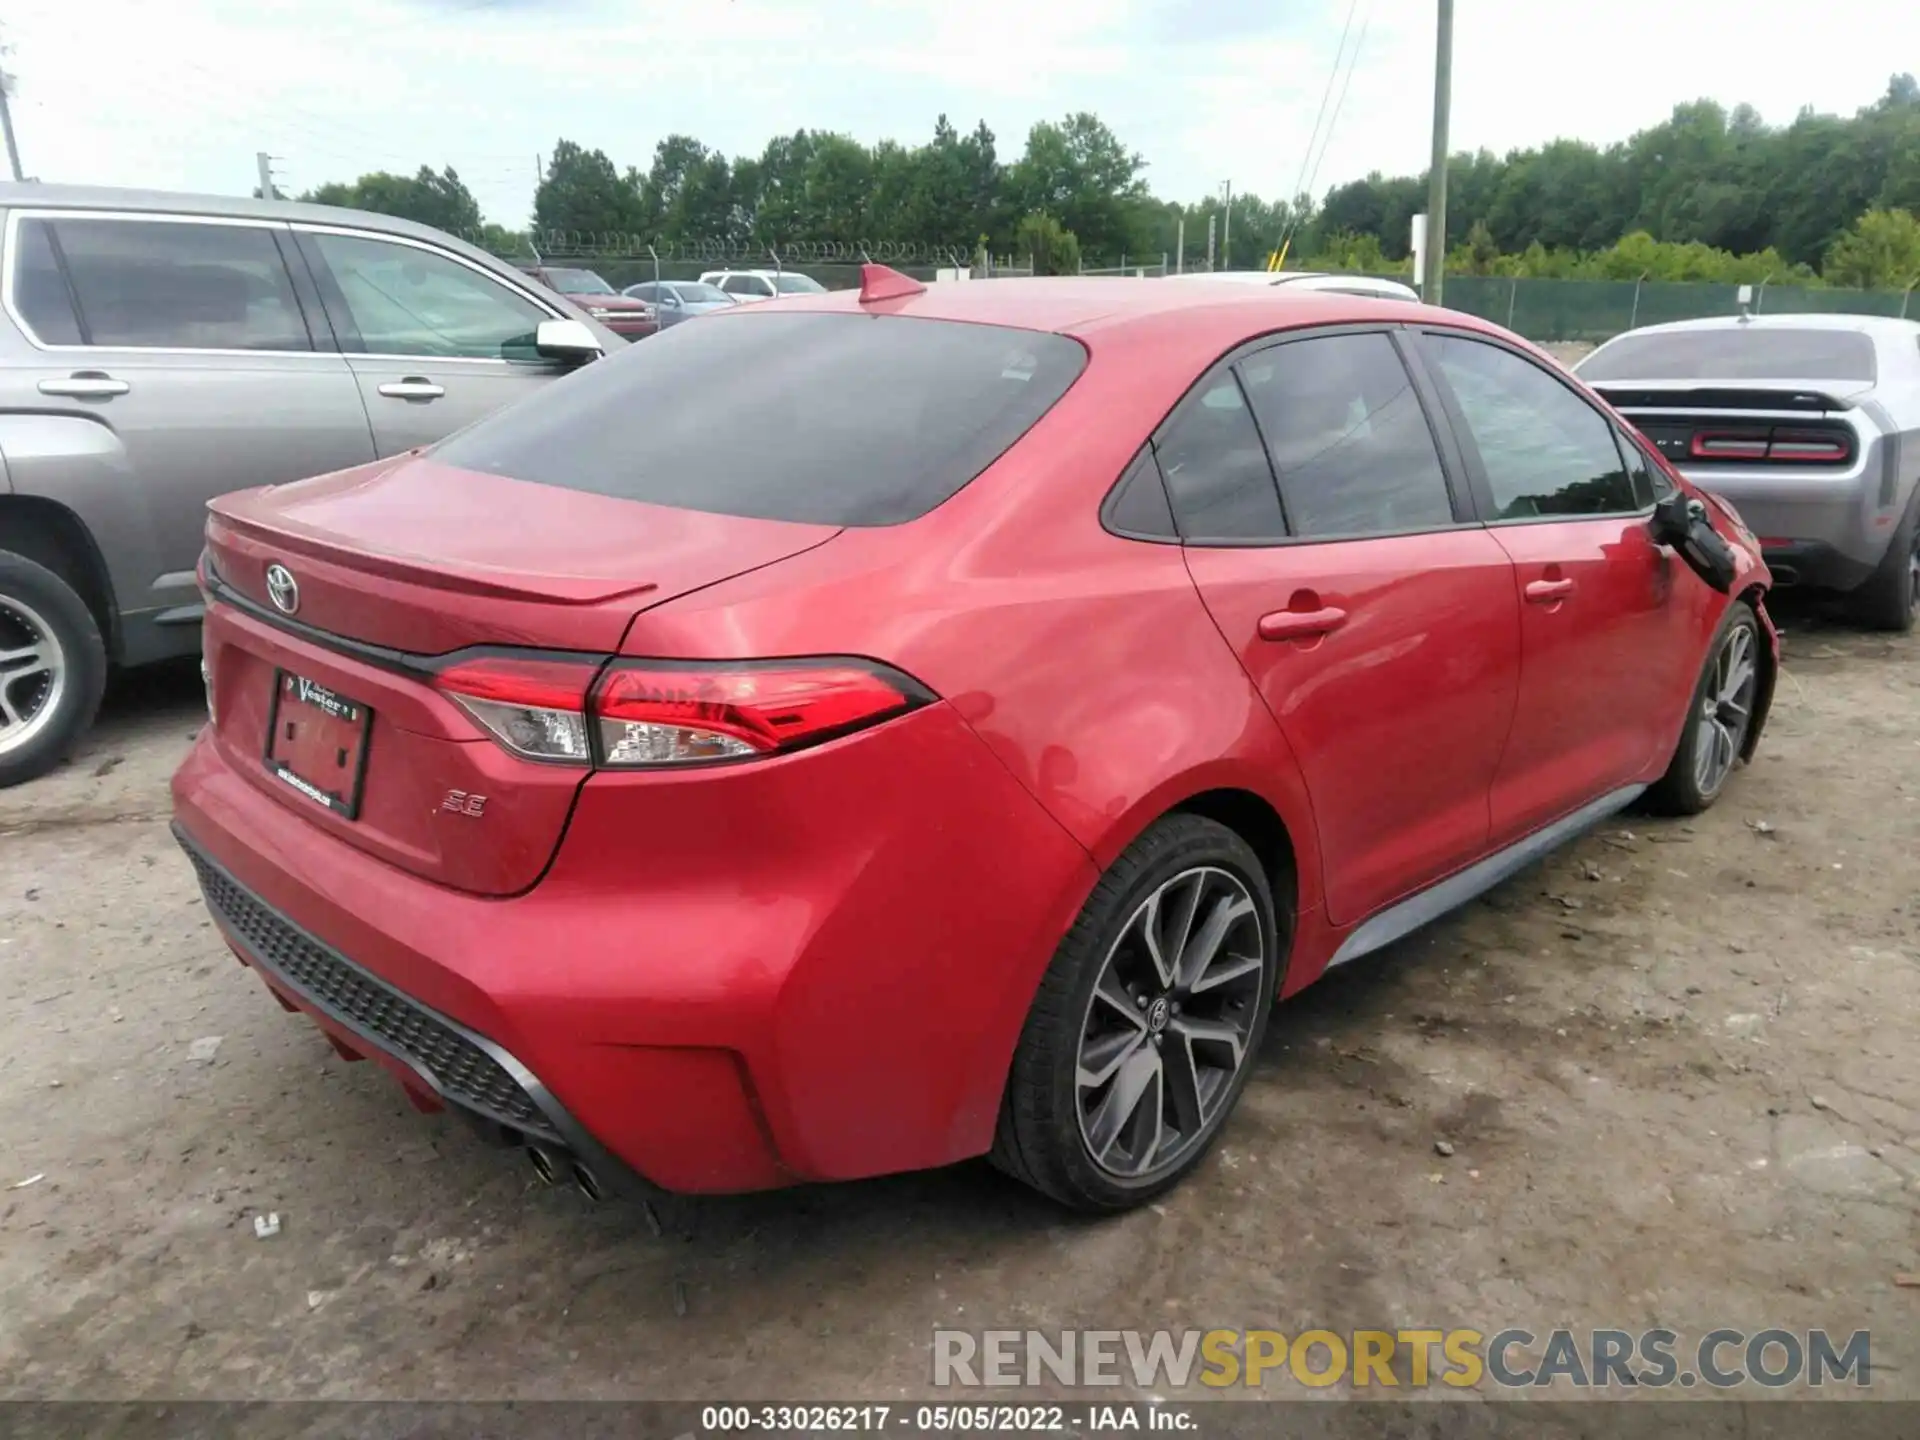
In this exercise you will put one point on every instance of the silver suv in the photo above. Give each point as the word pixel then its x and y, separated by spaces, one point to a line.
pixel 158 350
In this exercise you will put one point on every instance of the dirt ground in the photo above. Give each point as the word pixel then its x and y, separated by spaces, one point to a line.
pixel 1675 1064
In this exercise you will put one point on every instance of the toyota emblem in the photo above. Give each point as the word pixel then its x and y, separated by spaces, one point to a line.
pixel 283 589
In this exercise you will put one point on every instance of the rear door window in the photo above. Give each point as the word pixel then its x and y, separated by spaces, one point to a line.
pixel 857 419
pixel 1216 468
pixel 179 285
pixel 1349 437
pixel 40 294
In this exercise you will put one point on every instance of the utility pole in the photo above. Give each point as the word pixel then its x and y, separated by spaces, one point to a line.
pixel 1431 282
pixel 265 162
pixel 1180 247
pixel 1226 225
pixel 1210 229
pixel 6 120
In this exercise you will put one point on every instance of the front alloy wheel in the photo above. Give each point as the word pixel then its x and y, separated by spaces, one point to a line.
pixel 1726 710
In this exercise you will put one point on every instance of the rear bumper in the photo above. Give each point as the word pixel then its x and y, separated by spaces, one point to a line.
pixel 1831 530
pixel 809 968
pixel 1813 564
pixel 365 1017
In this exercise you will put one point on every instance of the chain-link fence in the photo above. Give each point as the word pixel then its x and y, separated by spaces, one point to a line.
pixel 1596 310
pixel 1545 311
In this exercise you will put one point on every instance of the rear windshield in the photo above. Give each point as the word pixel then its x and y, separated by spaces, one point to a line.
pixel 578 282
pixel 826 419
pixel 1745 353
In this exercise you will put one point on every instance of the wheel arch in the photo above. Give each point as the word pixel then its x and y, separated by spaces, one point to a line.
pixel 1755 596
pixel 49 534
pixel 1276 819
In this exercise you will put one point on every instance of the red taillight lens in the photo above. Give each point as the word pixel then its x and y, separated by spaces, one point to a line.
pixel 655 713
pixel 534 707
pixel 1809 449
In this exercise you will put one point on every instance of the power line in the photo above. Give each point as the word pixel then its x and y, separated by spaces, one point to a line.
pixel 1312 178
pixel 1333 74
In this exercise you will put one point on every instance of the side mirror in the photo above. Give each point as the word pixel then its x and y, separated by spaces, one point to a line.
pixel 567 341
pixel 1682 522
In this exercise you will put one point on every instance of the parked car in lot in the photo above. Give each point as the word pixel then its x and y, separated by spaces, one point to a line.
pixel 961 758
pixel 158 350
pixel 627 316
pixel 1809 423
pixel 677 300
pixel 1309 280
pixel 745 285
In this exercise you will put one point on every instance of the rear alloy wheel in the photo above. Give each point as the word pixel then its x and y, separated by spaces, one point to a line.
pixel 52 669
pixel 1147 1023
pixel 1718 721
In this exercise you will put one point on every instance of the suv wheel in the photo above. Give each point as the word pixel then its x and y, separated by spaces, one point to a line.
pixel 1147 1023
pixel 53 668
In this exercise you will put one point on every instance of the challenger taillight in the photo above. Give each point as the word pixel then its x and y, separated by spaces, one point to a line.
pixel 644 713
pixel 1773 444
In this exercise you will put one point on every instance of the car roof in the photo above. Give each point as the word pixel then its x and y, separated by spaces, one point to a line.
pixel 1882 326
pixel 37 195
pixel 1103 309
pixel 1248 277
pixel 33 193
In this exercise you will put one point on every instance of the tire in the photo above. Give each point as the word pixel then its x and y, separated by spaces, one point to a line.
pixel 53 668
pixel 1890 598
pixel 1051 1127
pixel 1691 784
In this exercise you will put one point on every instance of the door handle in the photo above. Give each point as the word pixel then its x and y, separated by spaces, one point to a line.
pixel 86 385
pixel 413 387
pixel 1301 624
pixel 1546 592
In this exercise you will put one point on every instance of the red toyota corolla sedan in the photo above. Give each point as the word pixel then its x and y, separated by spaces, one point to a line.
pixel 869 730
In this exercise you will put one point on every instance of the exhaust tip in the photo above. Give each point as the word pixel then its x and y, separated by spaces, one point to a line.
pixel 588 1183
pixel 543 1165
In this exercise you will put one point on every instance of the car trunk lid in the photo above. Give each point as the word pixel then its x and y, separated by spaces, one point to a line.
pixel 326 695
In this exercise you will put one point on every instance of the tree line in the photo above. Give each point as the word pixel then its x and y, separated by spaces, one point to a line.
pixel 1708 194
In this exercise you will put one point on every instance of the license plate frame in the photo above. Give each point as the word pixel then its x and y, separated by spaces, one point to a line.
pixel 344 726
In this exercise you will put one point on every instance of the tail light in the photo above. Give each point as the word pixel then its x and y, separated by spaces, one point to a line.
pixel 1803 447
pixel 535 707
pixel 648 713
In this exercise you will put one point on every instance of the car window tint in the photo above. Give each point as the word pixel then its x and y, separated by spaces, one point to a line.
pixel 1640 472
pixel 857 419
pixel 647 290
pixel 1216 469
pixel 1139 504
pixel 39 289
pixel 1349 437
pixel 407 301
pixel 1544 449
pixel 1739 352
pixel 172 285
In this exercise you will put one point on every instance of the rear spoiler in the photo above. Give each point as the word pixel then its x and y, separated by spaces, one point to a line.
pixel 1626 397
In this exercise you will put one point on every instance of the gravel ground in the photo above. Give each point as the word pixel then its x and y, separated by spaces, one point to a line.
pixel 1674 1066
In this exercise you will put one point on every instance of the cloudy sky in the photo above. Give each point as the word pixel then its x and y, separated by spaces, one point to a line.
pixel 180 94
